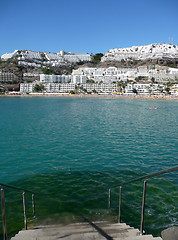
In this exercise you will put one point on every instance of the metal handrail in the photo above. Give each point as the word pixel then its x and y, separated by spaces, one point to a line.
pixel 144 193
pixel 16 188
pixel 147 176
pixel 2 185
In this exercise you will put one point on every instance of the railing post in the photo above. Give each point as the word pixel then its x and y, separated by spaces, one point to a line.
pixel 3 214
pixel 109 198
pixel 143 208
pixel 120 201
pixel 25 211
pixel 33 204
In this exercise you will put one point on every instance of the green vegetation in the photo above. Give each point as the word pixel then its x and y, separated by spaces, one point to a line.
pixel 8 60
pixel 153 79
pixel 167 89
pixel 38 88
pixel 135 90
pixel 97 58
pixel 80 63
pixel 90 81
pixel 43 56
pixel 121 86
pixel 172 65
pixel 94 91
pixel 48 71
pixel 20 67
pixel 72 92
pixel 139 78
pixel 160 89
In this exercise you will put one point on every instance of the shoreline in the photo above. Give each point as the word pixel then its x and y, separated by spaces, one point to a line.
pixel 149 97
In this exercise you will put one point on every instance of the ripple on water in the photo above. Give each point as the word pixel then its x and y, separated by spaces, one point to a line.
pixel 72 150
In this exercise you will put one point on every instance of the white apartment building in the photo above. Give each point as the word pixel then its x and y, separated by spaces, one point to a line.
pixel 59 87
pixel 30 64
pixel 78 76
pixel 75 57
pixel 27 87
pixel 52 87
pixel 76 79
pixel 55 78
pixel 53 57
pixel 9 55
pixel 49 87
pixel 144 88
pixel 152 51
pixel 67 87
pixel 111 74
pixel 101 88
pixel 174 89
pixel 26 54
pixel 31 74
pixel 6 77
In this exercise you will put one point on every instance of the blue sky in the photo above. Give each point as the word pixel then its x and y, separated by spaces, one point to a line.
pixel 85 25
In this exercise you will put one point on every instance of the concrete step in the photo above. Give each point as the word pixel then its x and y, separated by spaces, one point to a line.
pixel 83 231
pixel 143 237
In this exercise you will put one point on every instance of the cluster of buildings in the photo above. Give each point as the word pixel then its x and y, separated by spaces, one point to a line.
pixel 43 59
pixel 151 79
pixel 113 74
pixel 100 88
pixel 142 80
pixel 151 51
pixel 7 77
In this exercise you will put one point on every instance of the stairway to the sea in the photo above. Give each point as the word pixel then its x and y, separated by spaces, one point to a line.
pixel 84 231
pixel 87 230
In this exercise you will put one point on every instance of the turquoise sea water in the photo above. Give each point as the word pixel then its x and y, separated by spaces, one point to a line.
pixel 70 150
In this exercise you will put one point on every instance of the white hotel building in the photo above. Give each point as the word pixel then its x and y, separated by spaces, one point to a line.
pixel 48 87
pixel 44 78
pixel 7 77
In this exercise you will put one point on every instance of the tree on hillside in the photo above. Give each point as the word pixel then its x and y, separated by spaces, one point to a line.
pixel 91 81
pixel 48 71
pixel 135 90
pixel 38 87
pixel 97 58
pixel 121 86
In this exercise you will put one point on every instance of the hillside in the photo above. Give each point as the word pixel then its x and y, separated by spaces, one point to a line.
pixel 25 61
pixel 151 51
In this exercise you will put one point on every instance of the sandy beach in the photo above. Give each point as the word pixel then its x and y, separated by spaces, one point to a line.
pixel 150 97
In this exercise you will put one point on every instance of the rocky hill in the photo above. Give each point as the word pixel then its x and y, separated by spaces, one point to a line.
pixel 151 51
pixel 25 61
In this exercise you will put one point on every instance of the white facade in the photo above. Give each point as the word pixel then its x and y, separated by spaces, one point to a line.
pixel 31 74
pixel 48 87
pixel 79 79
pixel 174 89
pixel 113 74
pixel 55 78
pixel 145 88
pixel 6 77
pixel 30 64
pixel 67 87
pixel 26 54
pixel 53 57
pixel 152 51
pixel 75 57
pixel 27 87
pixel 9 55
pixel 101 88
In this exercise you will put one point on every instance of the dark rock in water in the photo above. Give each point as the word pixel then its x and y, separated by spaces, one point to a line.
pixel 170 233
